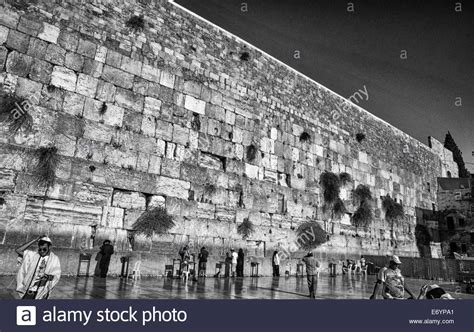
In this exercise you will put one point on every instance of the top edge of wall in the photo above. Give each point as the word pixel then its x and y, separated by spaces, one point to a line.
pixel 230 34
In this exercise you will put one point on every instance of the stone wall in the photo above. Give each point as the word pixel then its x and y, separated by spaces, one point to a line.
pixel 165 116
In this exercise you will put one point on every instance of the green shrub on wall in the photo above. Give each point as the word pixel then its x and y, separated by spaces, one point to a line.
pixel 156 220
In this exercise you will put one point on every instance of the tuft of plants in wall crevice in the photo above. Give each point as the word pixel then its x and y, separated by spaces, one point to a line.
pixel 331 187
pixel 345 178
pixel 245 56
pixel 156 220
pixel 393 210
pixel 251 152
pixel 364 215
pixel 136 23
pixel 339 209
pixel 48 161
pixel 360 137
pixel 310 235
pixel 14 114
pixel 305 137
pixel 245 229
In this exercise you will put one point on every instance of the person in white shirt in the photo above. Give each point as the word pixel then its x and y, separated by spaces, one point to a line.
pixel 234 256
pixel 39 271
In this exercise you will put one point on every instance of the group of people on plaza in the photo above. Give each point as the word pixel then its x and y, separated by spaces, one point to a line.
pixel 40 271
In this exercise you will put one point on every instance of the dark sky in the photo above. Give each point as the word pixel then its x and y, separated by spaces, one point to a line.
pixel 345 51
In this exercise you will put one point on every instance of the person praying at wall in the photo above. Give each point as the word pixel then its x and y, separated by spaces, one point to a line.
pixel 312 266
pixel 234 256
pixel 185 256
pixel 106 252
pixel 202 257
pixel 240 263
pixel 276 264
pixel 39 271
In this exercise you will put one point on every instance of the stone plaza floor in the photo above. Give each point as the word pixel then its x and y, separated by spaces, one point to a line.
pixel 339 287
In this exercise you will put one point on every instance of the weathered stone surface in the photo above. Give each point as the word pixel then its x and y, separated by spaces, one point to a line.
pixel 112 217
pixel 18 64
pixel 86 48
pixel 64 78
pixel 172 187
pixel 130 100
pixel 86 85
pixel 117 77
pixel 74 61
pixel 128 200
pixel 3 34
pixel 55 54
pixel 105 91
pixel 195 105
pixel 18 41
pixel 41 71
pixel 50 33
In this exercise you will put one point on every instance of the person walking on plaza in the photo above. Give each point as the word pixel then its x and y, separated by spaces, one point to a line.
pixel 276 264
pixel 240 263
pixel 202 257
pixel 234 256
pixel 39 271
pixel 312 266
pixel 106 252
pixel 390 281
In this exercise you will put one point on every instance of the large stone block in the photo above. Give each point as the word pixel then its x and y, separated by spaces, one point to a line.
pixel 87 85
pixel 129 200
pixel 3 34
pixel 117 77
pixel 50 33
pixel 18 41
pixel 41 71
pixel 112 217
pixel 86 48
pixel 55 54
pixel 19 64
pixel 195 105
pixel 172 187
pixel 131 66
pixel 64 78
pixel 130 100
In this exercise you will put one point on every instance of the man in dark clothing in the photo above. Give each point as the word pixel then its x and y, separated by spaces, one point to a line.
pixel 202 262
pixel 106 251
pixel 311 271
pixel 240 263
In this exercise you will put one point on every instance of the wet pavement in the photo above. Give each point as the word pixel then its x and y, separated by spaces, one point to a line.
pixel 340 287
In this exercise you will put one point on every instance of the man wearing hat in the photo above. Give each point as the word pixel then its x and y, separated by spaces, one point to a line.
pixel 392 282
pixel 39 271
pixel 234 256
pixel 312 266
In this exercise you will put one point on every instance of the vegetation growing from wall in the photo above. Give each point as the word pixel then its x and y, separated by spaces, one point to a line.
pixel 48 160
pixel 156 220
pixel 136 23
pixel 393 210
pixel 245 229
pixel 363 216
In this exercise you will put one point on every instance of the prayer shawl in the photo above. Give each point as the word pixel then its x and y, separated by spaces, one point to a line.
pixel 27 270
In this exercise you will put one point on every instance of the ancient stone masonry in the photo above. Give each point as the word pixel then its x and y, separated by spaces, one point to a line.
pixel 176 115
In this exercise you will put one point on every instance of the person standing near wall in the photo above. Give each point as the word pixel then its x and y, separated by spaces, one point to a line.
pixel 202 257
pixel 234 256
pixel 39 271
pixel 240 263
pixel 106 251
pixel 391 282
pixel 276 264
pixel 312 266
